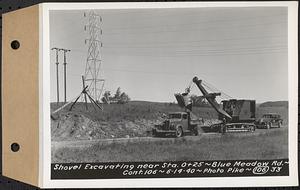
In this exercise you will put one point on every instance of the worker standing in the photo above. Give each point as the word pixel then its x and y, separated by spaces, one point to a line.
pixel 187 99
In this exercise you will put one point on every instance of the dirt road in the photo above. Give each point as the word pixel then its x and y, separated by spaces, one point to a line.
pixel 87 143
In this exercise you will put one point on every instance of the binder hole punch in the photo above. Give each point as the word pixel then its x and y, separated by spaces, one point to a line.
pixel 15 44
pixel 15 147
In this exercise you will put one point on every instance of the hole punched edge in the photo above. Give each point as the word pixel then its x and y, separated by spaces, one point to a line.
pixel 15 147
pixel 15 44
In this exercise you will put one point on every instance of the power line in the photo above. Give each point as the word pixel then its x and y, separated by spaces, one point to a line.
pixel 198 48
pixel 203 53
pixel 209 40
pixel 195 23
pixel 203 28
pixel 189 43
pixel 204 46
pixel 141 72
pixel 194 54
pixel 188 12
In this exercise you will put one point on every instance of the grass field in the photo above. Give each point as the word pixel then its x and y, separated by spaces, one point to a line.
pixel 269 144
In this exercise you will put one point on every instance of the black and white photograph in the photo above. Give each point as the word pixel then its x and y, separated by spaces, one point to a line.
pixel 169 92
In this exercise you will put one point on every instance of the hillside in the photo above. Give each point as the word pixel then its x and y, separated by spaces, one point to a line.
pixel 134 110
pixel 134 119
pixel 275 104
pixel 279 107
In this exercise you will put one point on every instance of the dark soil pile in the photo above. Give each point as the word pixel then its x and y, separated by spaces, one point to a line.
pixel 77 126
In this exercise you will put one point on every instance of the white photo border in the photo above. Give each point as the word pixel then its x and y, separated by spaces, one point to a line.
pixel 44 104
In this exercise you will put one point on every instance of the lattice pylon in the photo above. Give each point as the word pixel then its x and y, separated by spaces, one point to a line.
pixel 92 74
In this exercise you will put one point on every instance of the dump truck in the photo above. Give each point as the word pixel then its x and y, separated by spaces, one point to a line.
pixel 178 124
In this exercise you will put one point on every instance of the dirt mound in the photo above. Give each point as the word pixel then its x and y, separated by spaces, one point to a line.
pixel 77 126
pixel 134 119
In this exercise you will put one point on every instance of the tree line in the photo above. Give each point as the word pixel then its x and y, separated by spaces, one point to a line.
pixel 118 98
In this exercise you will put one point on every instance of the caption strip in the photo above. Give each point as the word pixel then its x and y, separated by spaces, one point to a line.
pixel 170 169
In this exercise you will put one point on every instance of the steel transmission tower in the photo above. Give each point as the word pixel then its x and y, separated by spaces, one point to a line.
pixel 92 74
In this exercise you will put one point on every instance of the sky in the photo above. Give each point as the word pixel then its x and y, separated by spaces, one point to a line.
pixel 153 53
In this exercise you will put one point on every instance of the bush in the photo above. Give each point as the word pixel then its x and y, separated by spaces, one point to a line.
pixel 118 98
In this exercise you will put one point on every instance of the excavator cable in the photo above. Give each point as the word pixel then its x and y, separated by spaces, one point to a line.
pixel 189 87
pixel 214 89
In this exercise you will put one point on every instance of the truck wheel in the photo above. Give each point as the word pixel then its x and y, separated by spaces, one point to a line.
pixel 279 125
pixel 195 131
pixel 154 133
pixel 223 129
pixel 179 132
pixel 252 128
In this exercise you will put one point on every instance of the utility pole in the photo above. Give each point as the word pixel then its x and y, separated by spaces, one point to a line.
pixel 57 81
pixel 65 71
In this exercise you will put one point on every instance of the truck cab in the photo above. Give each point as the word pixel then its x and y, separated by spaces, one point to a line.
pixel 177 123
